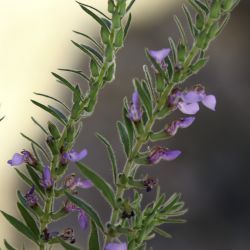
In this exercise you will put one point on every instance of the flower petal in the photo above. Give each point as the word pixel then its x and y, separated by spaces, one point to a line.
pixel 16 160
pixel 116 246
pixel 171 155
pixel 74 156
pixel 84 184
pixel 210 102
pixel 189 109
pixel 159 55
pixel 83 220
pixel 186 122
pixel 192 96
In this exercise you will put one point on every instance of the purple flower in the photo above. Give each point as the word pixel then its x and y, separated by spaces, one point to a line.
pixel 173 127
pixel 31 197
pixel 160 153
pixel 47 181
pixel 187 101
pixel 135 112
pixel 73 156
pixel 24 157
pixel 72 182
pixel 116 246
pixel 83 220
pixel 160 55
pixel 82 217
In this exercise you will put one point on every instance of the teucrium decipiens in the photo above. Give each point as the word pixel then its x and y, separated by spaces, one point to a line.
pixel 154 98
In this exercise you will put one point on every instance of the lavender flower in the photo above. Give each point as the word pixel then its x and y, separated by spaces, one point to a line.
pixel 73 156
pixel 83 220
pixel 160 55
pixel 72 183
pixel 173 127
pixel 160 153
pixel 187 101
pixel 135 112
pixel 47 181
pixel 24 157
pixel 82 217
pixel 31 197
pixel 116 246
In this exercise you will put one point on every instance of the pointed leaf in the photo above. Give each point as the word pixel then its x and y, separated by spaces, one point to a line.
pixel 51 111
pixel 39 125
pixel 162 233
pixel 126 28
pixel 53 98
pixel 90 38
pixel 36 144
pixel 92 14
pixel 8 246
pixel 123 135
pixel 2 118
pixel 21 227
pixel 173 49
pixel 189 19
pixel 111 154
pixel 36 180
pixel 93 52
pixel 30 222
pixel 144 97
pixel 130 5
pixel 63 81
pixel 203 6
pixel 181 30
pixel 102 186
pixel 94 238
pixel 66 245
pixel 87 209
pixel 78 72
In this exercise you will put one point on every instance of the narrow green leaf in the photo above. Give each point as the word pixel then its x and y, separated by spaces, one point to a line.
pixel 123 135
pixel 8 246
pixel 189 18
pixel 63 81
pixel 36 144
pixel 102 186
pixel 145 99
pixel 51 111
pixel 130 5
pixel 86 51
pixel 21 227
pixel 223 24
pixel 89 210
pixel 173 49
pixel 149 81
pixel 36 180
pixel 53 98
pixel 92 14
pixel 93 52
pixel 93 8
pixel 90 38
pixel 111 154
pixel 78 72
pixel 181 30
pixel 39 125
pixel 170 68
pixel 2 118
pixel 127 122
pixel 66 245
pixel 197 7
pixel 199 65
pixel 94 238
pixel 203 6
pixel 59 113
pixel 30 222
pixel 162 233
pixel 38 158
pixel 126 28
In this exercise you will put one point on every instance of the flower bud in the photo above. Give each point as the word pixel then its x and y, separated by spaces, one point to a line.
pixel 181 52
pixel 111 6
pixel 227 5
pixel 119 37
pixel 202 41
pixel 199 21
pixel 53 130
pixel 213 31
pixel 215 9
pixel 116 21
pixel 122 7
pixel 105 35
pixel 110 74
pixel 94 68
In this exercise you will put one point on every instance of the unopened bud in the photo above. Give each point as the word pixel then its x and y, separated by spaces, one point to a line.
pixel 94 68
pixel 110 74
pixel 119 37
pixel 111 6
pixel 105 35
pixel 215 9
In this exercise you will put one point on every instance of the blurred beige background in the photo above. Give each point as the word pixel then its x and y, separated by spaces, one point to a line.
pixel 35 40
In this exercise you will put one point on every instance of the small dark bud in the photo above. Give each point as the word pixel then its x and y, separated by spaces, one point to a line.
pixel 127 215
pixel 68 234
pixel 150 183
